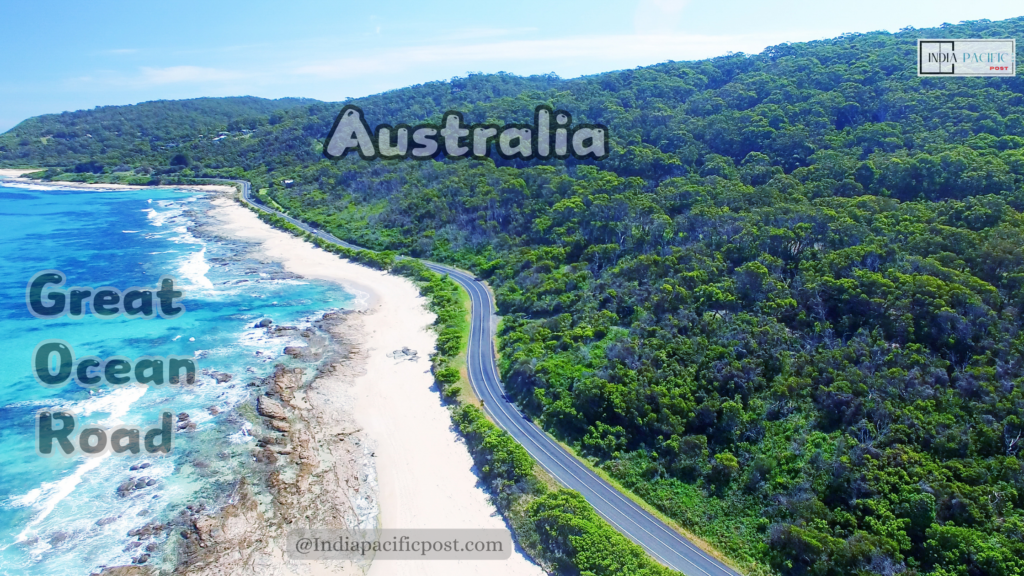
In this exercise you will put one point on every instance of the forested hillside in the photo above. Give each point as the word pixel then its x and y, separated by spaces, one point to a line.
pixel 785 310
pixel 134 133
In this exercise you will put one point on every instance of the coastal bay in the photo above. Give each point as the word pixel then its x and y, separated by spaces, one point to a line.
pixel 366 430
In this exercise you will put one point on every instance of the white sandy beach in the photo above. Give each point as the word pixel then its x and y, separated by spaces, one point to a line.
pixel 14 176
pixel 9 173
pixel 424 470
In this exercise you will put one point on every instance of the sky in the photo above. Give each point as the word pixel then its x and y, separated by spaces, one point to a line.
pixel 69 55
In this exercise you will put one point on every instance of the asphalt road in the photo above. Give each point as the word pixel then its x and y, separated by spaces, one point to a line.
pixel 661 542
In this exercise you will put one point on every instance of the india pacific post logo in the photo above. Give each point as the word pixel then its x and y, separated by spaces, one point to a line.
pixel 551 136
pixel 967 57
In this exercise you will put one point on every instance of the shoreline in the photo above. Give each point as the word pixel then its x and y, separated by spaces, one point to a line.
pixel 387 404
pixel 13 178
pixel 303 463
pixel 425 474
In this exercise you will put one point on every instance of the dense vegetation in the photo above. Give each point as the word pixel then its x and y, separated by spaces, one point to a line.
pixel 108 137
pixel 785 311
pixel 558 528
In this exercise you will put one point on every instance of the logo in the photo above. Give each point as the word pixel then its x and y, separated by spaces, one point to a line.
pixel 967 57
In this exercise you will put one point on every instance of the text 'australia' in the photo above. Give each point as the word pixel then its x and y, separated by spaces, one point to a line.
pixel 551 136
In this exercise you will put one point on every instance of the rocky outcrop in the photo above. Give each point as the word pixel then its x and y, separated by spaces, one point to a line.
pixel 311 470
pixel 285 382
pixel 269 408
pixel 185 423
pixel 224 542
pixel 280 425
pixel 133 484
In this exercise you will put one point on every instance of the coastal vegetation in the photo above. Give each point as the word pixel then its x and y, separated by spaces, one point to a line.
pixel 784 311
pixel 557 527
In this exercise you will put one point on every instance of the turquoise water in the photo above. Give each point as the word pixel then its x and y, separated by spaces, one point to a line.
pixel 49 507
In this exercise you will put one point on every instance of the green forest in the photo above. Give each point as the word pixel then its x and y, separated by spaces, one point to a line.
pixel 785 311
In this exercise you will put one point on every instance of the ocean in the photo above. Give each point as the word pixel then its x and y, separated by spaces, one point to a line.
pixel 64 515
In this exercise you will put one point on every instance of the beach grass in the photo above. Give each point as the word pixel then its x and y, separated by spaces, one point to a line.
pixel 466 394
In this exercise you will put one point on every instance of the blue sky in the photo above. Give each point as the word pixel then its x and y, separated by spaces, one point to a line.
pixel 68 55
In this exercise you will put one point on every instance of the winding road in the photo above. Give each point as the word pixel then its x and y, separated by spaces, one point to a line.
pixel 661 542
